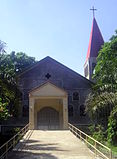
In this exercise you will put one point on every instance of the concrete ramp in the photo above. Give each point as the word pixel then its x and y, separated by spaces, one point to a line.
pixel 40 144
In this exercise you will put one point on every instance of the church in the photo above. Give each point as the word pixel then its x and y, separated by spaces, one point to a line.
pixel 53 94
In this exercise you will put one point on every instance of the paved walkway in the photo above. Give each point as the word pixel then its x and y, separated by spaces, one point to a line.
pixel 51 145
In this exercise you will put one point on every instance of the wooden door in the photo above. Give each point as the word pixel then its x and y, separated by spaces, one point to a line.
pixel 48 118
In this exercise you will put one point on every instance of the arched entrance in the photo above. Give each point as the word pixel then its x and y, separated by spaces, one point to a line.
pixel 48 107
pixel 48 118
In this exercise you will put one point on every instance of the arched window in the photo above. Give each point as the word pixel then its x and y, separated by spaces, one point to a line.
pixel 76 96
pixel 26 96
pixel 25 110
pixel 93 67
pixel 70 110
pixel 82 110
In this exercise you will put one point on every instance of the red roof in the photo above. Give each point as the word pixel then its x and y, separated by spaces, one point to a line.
pixel 95 41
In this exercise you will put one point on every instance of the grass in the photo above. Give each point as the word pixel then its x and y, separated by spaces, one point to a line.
pixel 113 148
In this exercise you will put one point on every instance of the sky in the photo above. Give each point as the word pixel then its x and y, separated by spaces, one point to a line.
pixel 56 28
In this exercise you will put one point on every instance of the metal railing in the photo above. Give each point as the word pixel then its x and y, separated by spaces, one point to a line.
pixel 10 144
pixel 98 148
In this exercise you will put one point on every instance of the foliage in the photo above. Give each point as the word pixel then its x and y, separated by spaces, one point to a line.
pixel 21 61
pixel 3 110
pixel 13 63
pixel 112 127
pixel 106 68
pixel 99 106
pixel 2 47
pixel 16 130
pixel 97 132
pixel 113 148
pixel 10 65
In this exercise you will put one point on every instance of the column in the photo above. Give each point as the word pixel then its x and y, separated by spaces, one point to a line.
pixel 31 112
pixel 65 113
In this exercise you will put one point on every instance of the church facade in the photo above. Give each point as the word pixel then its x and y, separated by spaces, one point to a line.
pixel 53 94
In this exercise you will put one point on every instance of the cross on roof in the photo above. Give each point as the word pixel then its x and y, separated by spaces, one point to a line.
pixel 47 75
pixel 93 9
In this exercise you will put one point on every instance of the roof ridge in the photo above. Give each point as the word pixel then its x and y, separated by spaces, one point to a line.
pixel 50 58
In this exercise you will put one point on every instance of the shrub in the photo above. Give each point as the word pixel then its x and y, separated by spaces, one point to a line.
pixel 112 127
pixel 3 110
pixel 98 133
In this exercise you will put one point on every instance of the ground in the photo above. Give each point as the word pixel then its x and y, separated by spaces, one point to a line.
pixel 51 145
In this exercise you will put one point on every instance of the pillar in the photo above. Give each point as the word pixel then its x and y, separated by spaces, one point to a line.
pixel 31 112
pixel 65 113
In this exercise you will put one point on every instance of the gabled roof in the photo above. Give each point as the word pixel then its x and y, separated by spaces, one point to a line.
pixel 95 41
pixel 53 90
pixel 48 58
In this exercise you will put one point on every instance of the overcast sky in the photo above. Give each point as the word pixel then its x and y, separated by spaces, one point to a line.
pixel 56 28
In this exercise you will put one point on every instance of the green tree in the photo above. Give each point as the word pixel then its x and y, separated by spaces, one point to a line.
pixel 10 65
pixel 2 47
pixel 106 68
pixel 21 61
pixel 3 110
pixel 112 127
pixel 102 101
pixel 100 105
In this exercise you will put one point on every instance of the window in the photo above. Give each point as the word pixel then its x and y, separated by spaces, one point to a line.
pixel 26 96
pixel 25 110
pixel 82 110
pixel 48 76
pixel 76 96
pixel 93 67
pixel 70 110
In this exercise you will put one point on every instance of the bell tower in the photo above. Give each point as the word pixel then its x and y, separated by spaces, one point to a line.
pixel 95 43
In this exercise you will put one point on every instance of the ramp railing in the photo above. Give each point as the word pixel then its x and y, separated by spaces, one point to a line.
pixel 98 148
pixel 10 144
